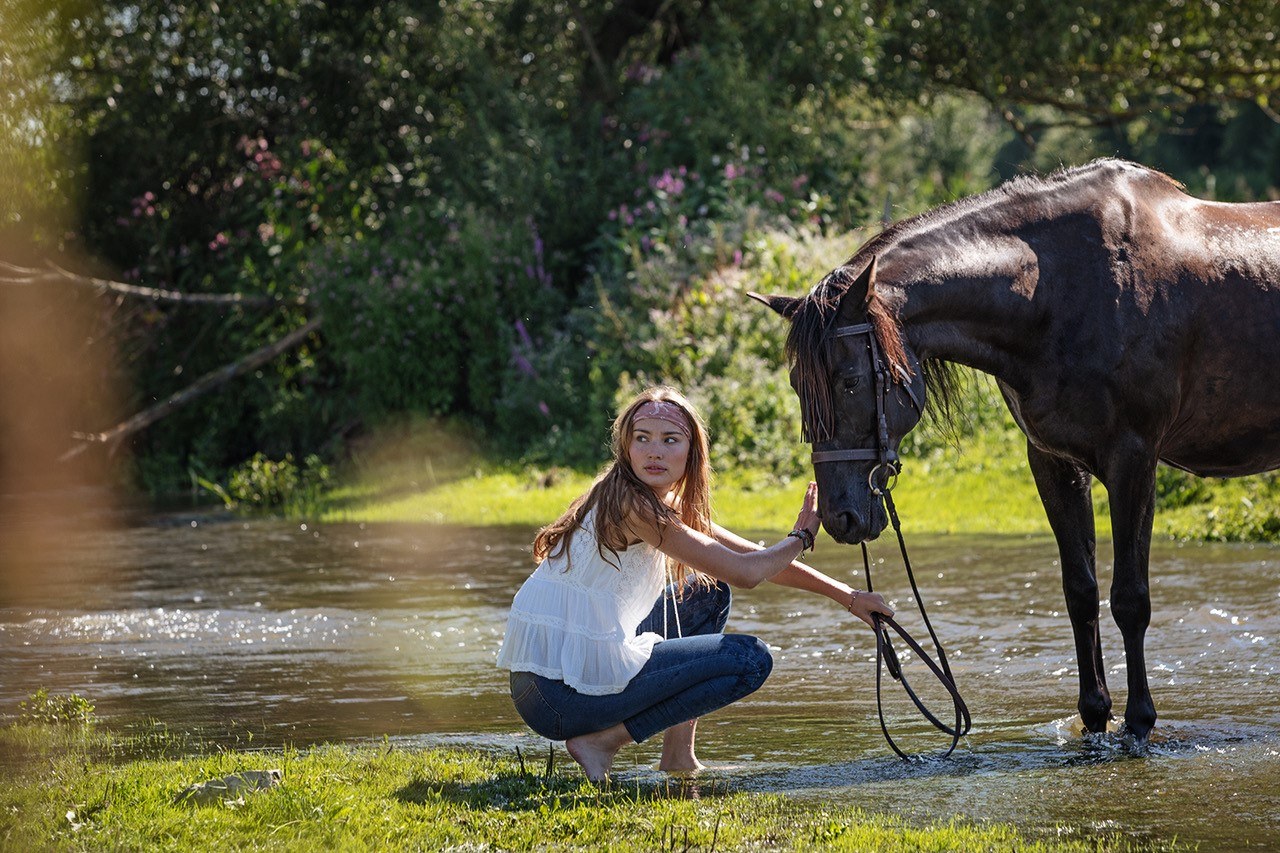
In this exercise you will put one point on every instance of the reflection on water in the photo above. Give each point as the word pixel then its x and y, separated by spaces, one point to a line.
pixel 300 634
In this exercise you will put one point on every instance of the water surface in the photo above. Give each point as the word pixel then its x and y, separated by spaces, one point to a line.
pixel 292 633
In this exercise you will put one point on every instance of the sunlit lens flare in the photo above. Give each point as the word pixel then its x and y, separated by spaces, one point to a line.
pixel 57 368
pixel 57 362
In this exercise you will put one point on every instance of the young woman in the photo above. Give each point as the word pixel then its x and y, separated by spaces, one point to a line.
pixel 619 632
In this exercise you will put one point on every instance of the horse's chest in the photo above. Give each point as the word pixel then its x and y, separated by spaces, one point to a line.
pixel 1069 422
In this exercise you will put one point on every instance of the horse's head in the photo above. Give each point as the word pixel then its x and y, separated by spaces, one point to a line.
pixel 861 390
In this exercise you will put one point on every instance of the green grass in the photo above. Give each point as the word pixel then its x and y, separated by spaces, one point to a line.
pixel 983 487
pixel 62 795
pixel 485 497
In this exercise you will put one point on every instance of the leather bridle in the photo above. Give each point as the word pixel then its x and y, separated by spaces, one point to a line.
pixel 885 456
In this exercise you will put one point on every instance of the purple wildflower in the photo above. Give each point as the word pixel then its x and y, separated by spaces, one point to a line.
pixel 522 364
pixel 524 334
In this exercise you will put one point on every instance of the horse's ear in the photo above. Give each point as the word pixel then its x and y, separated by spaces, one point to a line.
pixel 784 305
pixel 859 295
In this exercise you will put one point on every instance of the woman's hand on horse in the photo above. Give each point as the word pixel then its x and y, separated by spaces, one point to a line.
pixel 863 604
pixel 808 519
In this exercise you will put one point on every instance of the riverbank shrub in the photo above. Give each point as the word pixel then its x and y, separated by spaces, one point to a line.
pixel 55 709
pixel 670 309
pixel 1217 510
pixel 262 484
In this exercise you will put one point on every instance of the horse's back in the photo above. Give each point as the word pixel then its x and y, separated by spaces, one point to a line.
pixel 1225 265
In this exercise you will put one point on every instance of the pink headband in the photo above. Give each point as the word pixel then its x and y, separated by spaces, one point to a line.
pixel 663 411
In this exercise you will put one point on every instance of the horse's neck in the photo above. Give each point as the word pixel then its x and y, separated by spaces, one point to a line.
pixel 972 305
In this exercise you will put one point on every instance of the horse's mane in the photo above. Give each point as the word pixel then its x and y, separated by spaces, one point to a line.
pixel 809 351
pixel 1023 189
pixel 811 322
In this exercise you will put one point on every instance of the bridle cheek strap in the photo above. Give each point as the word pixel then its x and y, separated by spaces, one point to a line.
pixel 881 453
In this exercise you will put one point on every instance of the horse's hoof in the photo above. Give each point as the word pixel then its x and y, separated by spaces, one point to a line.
pixel 1098 725
pixel 1139 726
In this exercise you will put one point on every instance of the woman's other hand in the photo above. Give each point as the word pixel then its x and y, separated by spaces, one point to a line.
pixel 864 604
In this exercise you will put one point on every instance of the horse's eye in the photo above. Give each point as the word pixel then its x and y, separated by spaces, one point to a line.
pixel 852 382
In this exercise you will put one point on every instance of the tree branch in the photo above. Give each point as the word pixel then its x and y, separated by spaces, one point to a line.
pixel 201 386
pixel 606 83
pixel 55 273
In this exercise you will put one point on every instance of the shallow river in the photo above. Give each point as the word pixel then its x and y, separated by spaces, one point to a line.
pixel 270 633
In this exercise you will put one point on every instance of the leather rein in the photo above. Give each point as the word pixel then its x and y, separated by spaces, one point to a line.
pixel 887 458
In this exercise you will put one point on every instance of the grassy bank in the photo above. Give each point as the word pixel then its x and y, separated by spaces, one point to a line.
pixel 984 486
pixel 64 791
pixel 981 484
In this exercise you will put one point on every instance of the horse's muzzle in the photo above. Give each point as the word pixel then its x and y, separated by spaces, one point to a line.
pixel 848 526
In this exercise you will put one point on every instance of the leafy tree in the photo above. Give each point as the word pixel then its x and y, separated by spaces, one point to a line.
pixel 1093 62
pixel 460 186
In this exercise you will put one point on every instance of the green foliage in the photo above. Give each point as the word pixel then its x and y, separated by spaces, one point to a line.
pixel 1238 510
pixel 1176 488
pixel 669 308
pixel 263 484
pixel 1221 151
pixel 725 351
pixel 509 213
pixel 430 314
pixel 41 708
pixel 1094 59
pixel 1245 521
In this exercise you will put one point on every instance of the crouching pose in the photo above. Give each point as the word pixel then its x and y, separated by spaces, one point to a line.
pixel 619 632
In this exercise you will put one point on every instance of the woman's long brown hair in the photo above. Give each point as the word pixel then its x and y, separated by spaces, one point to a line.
pixel 617 492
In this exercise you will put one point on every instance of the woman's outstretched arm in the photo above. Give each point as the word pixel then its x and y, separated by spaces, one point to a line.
pixel 800 576
pixel 742 568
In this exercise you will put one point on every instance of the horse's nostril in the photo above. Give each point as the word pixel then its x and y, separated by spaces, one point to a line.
pixel 843 525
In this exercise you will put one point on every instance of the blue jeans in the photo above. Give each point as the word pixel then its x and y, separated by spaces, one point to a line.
pixel 685 677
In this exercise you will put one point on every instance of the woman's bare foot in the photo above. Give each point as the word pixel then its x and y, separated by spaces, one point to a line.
pixel 594 752
pixel 691 764
pixel 677 749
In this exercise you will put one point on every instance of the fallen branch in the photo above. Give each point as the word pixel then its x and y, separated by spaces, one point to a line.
pixel 201 386
pixel 55 273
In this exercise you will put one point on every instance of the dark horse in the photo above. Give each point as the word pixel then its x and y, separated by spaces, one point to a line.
pixel 1126 324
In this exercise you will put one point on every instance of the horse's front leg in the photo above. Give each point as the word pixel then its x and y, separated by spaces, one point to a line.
pixel 1064 491
pixel 1131 487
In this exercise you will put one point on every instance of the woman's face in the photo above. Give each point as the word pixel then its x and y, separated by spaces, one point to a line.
pixel 658 454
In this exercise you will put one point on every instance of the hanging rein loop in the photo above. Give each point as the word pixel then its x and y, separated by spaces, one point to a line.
pixel 886 458
pixel 887 657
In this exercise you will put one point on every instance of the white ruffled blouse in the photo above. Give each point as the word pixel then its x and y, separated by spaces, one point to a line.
pixel 575 618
